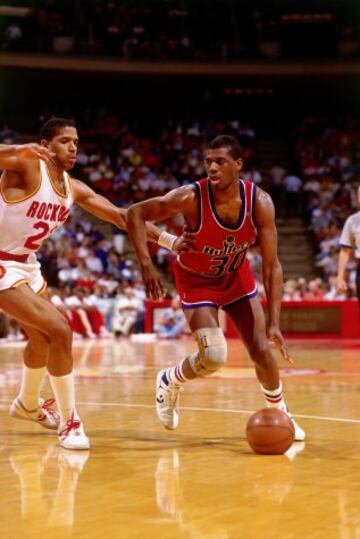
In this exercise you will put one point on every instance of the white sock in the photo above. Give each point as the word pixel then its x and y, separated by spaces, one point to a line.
pixel 274 397
pixel 64 391
pixel 175 374
pixel 30 386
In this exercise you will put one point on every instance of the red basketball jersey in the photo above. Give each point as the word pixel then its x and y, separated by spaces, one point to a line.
pixel 220 247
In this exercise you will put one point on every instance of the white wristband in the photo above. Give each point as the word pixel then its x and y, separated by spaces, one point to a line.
pixel 167 240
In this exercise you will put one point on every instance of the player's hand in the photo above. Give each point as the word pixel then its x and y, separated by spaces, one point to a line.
pixel 277 340
pixel 184 243
pixel 152 281
pixel 341 285
pixel 34 151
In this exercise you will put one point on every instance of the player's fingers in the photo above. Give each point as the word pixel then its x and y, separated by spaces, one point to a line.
pixel 43 157
pixel 149 289
pixel 272 342
pixel 160 292
pixel 157 289
pixel 285 352
pixel 43 153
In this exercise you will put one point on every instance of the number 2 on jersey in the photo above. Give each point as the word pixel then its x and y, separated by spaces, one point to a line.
pixel 30 242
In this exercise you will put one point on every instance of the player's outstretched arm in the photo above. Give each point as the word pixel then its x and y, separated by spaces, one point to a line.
pixel 14 156
pixel 154 209
pixel 272 269
pixel 102 208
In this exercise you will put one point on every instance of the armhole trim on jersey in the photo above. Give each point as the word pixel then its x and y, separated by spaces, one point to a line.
pixel 199 210
pixel 27 196
pixel 70 185
pixel 252 205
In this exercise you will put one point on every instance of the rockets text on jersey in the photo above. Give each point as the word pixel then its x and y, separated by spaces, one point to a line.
pixel 27 222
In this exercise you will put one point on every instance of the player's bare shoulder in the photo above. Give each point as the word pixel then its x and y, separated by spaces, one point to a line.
pixel 183 197
pixel 264 207
pixel 79 190
pixel 20 182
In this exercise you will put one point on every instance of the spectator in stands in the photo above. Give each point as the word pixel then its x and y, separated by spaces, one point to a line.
pixel 291 292
pixel 172 322
pixel 127 307
pixel 315 291
pixel 101 300
pixel 253 175
pixel 293 190
pixel 276 174
pixel 328 263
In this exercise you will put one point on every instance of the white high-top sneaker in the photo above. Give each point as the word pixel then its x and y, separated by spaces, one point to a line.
pixel 43 414
pixel 167 402
pixel 299 432
pixel 72 436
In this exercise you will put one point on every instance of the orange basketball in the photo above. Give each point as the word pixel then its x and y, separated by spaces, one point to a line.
pixel 270 432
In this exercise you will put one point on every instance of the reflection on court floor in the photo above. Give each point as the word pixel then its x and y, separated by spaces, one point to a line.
pixel 201 481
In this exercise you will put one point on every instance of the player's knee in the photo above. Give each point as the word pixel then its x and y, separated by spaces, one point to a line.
pixel 212 351
pixel 59 330
pixel 37 343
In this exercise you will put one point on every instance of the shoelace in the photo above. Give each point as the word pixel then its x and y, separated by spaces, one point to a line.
pixel 70 425
pixel 46 406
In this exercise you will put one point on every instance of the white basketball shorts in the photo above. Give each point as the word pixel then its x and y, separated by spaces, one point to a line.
pixel 13 274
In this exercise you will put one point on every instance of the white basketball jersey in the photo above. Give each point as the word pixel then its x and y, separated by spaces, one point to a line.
pixel 27 223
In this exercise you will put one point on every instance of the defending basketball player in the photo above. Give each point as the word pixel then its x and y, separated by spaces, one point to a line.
pixel 36 196
pixel 223 215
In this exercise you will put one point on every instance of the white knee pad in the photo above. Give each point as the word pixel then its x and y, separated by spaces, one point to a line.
pixel 212 351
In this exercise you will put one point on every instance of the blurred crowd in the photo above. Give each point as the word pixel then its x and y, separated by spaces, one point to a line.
pixel 90 267
pixel 127 166
pixel 184 31
pixel 330 161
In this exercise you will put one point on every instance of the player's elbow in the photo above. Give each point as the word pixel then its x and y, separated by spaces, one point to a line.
pixel 121 219
pixel 133 215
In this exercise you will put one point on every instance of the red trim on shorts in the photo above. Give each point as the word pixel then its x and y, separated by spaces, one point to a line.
pixel 13 257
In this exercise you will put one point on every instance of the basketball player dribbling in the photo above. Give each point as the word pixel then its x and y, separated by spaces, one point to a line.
pixel 36 196
pixel 223 215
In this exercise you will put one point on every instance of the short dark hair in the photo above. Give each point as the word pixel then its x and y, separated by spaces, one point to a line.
pixel 227 141
pixel 51 127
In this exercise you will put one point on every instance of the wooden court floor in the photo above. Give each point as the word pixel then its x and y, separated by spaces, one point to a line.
pixel 200 482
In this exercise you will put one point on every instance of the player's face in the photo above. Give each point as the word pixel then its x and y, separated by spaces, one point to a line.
pixel 221 168
pixel 65 145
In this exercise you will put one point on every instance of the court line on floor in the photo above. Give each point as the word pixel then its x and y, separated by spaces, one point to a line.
pixel 218 410
pixel 213 410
